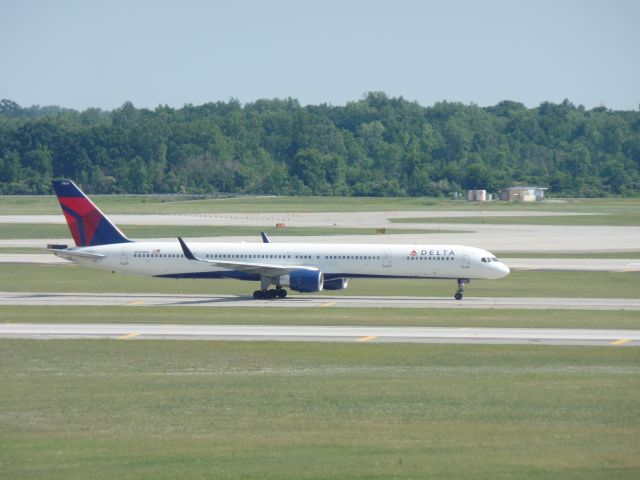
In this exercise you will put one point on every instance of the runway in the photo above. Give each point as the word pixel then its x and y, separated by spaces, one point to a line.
pixel 313 301
pixel 536 336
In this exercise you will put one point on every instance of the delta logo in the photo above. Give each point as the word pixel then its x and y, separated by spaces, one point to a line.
pixel 433 252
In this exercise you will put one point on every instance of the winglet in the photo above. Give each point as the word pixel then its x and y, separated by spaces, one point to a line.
pixel 187 253
pixel 265 238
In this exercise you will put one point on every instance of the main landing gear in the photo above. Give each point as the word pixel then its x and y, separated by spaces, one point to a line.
pixel 269 294
pixel 460 292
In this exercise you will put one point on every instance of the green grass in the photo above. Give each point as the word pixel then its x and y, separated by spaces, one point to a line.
pixel 167 409
pixel 587 255
pixel 396 317
pixel 44 231
pixel 631 218
pixel 33 204
pixel 74 278
pixel 30 250
pixel 110 204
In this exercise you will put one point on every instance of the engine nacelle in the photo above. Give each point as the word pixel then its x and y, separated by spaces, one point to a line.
pixel 305 281
pixel 336 284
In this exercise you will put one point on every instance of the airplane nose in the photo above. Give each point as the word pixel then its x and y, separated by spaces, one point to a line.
pixel 504 269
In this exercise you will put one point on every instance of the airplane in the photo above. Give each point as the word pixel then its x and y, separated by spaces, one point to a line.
pixel 305 268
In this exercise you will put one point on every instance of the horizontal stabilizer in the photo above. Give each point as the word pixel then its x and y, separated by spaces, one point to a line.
pixel 76 256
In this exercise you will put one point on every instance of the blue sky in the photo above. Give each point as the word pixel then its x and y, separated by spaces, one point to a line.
pixel 86 53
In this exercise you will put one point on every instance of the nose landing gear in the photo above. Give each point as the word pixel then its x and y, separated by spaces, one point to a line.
pixel 460 292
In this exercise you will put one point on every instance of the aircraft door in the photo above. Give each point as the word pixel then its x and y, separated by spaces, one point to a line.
pixel 124 257
pixel 466 263
pixel 386 259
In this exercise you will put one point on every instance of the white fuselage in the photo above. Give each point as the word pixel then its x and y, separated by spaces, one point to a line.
pixel 166 259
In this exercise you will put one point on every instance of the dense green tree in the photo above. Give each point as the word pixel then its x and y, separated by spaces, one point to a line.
pixel 378 145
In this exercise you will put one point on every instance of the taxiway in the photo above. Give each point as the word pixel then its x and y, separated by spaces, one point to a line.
pixel 537 336
pixel 314 301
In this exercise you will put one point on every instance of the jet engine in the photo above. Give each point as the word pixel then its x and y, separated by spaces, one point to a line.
pixel 305 281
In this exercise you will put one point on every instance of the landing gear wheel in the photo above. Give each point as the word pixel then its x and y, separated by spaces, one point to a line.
pixel 460 292
pixel 269 294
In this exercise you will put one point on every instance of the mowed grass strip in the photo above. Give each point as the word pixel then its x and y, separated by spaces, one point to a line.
pixel 49 230
pixel 391 317
pixel 631 218
pixel 23 250
pixel 176 204
pixel 76 278
pixel 565 255
pixel 169 409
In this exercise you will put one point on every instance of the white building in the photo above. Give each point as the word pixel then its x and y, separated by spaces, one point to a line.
pixel 477 195
pixel 522 194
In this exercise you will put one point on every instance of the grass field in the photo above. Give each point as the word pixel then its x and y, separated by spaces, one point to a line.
pixel 631 218
pixel 74 278
pixel 28 250
pixel 47 230
pixel 597 255
pixel 110 204
pixel 43 204
pixel 396 317
pixel 166 409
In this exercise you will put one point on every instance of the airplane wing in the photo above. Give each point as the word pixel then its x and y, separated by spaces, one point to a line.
pixel 74 255
pixel 263 269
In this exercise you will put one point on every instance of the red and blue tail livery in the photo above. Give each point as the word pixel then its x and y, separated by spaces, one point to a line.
pixel 88 225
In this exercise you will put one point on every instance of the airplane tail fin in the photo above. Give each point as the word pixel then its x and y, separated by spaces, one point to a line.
pixel 88 225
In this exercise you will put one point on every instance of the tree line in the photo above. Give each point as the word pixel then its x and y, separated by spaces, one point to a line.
pixel 376 146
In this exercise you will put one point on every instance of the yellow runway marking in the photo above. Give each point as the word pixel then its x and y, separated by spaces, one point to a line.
pixel 136 302
pixel 366 339
pixel 328 304
pixel 622 341
pixel 128 335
